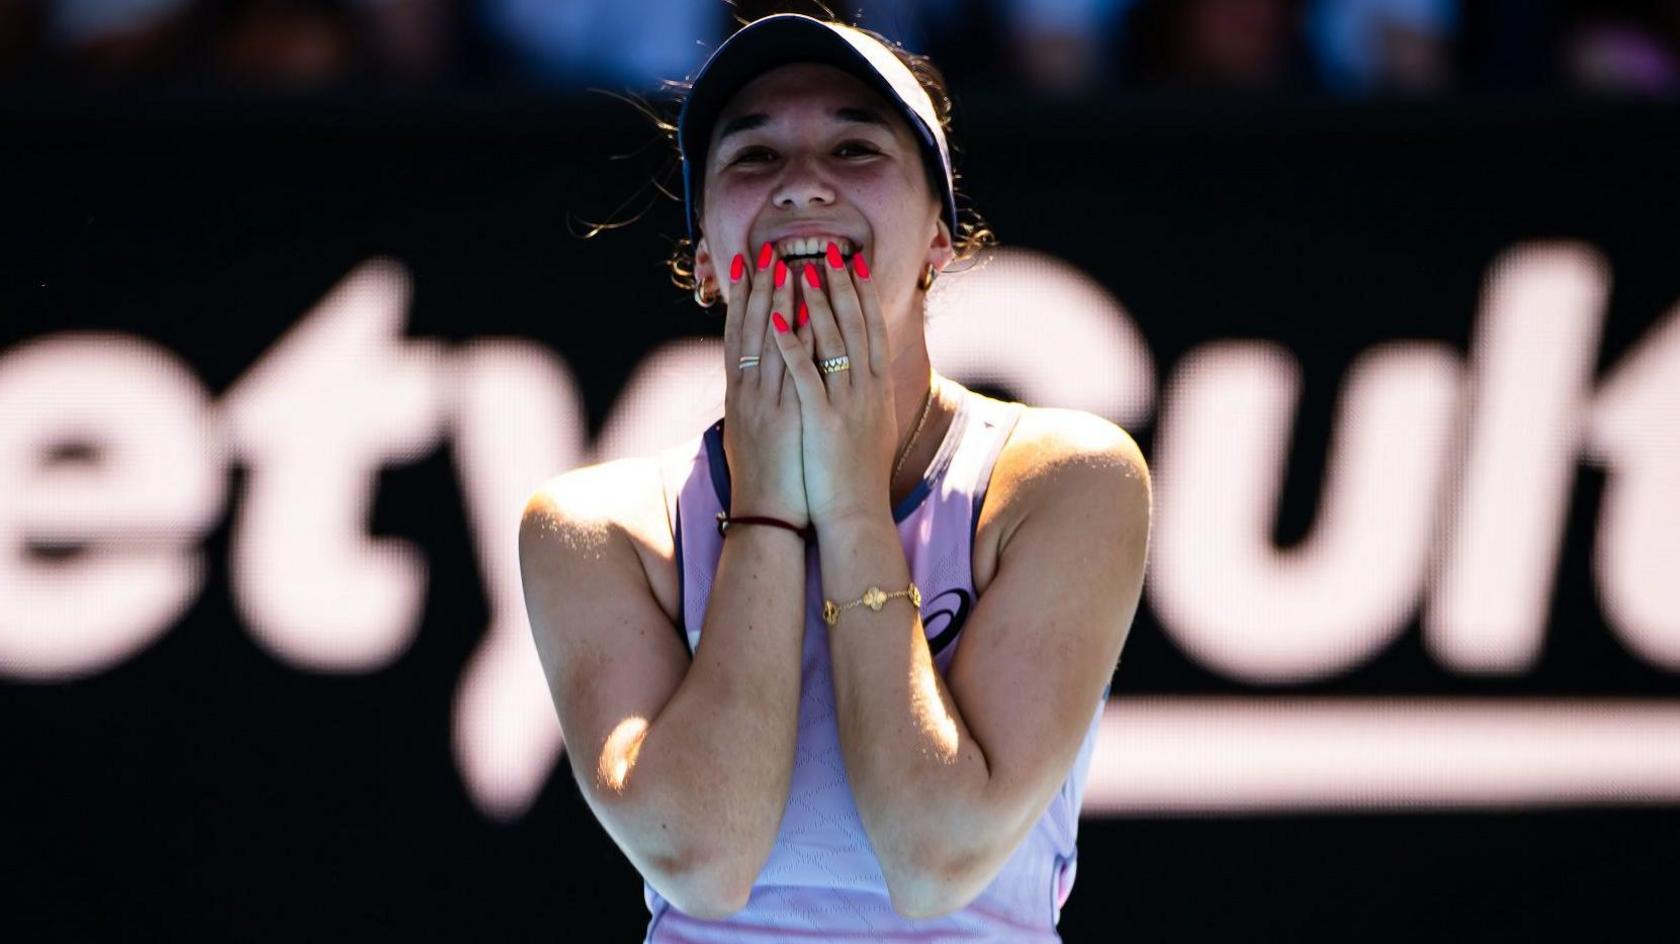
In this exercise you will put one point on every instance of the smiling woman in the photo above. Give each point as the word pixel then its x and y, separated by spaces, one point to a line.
pixel 968 238
pixel 833 668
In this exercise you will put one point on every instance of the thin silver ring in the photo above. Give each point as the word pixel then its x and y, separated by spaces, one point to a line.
pixel 748 360
pixel 834 365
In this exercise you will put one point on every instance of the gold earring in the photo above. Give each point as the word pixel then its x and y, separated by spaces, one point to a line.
pixel 928 276
pixel 703 299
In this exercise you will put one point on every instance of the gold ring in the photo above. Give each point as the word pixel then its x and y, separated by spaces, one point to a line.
pixel 835 365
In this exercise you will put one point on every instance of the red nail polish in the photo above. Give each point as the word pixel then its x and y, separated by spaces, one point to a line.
pixel 834 259
pixel 804 315
pixel 780 322
pixel 811 277
pixel 781 273
pixel 737 268
pixel 764 257
pixel 861 267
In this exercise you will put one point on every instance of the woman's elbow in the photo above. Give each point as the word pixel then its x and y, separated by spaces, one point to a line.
pixel 709 890
pixel 925 894
pixel 924 902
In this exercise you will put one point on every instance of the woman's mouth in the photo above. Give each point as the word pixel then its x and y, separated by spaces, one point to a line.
pixel 807 248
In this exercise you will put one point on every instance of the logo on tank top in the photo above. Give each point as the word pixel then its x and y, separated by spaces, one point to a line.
pixel 957 603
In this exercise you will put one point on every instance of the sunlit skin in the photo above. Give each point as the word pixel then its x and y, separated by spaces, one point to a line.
pixel 618 757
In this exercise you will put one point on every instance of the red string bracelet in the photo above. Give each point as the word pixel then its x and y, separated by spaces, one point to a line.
pixel 725 521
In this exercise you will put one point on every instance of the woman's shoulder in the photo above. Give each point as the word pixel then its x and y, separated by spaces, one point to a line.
pixel 1056 434
pixel 618 500
pixel 620 492
pixel 1057 455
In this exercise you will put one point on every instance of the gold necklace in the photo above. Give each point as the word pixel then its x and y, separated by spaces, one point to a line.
pixel 904 453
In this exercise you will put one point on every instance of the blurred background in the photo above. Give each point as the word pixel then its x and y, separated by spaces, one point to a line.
pixel 1340 48
pixel 301 299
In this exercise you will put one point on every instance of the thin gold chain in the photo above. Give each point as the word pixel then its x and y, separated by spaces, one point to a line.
pixel 904 452
pixel 874 597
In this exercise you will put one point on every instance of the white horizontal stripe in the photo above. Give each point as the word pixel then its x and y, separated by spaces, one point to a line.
pixel 1284 754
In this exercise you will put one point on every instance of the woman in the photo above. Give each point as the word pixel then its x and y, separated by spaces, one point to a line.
pixel 834 667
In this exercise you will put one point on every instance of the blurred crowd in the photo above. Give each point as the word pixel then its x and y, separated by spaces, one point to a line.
pixel 1345 48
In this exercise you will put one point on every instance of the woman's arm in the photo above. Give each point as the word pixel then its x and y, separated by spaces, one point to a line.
pixel 686 766
pixel 948 779
pixel 951 773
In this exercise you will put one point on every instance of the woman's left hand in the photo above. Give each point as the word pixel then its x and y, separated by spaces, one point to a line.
pixel 848 426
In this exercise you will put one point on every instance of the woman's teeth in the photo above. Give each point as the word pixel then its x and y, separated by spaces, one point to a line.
pixel 813 247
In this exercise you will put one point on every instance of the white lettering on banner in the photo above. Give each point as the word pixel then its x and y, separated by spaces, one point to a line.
pixel 518 420
pixel 672 395
pixel 344 393
pixel 1532 363
pixel 516 416
pixel 1220 586
pixel 1635 434
pixel 1284 754
pixel 1045 330
pixel 110 462
pixel 341 394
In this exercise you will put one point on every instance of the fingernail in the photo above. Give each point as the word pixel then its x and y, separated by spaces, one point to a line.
pixel 737 268
pixel 834 259
pixel 861 267
pixel 764 258
pixel 780 322
pixel 804 315
pixel 811 277
pixel 781 273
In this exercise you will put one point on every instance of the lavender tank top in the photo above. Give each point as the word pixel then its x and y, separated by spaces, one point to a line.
pixel 822 880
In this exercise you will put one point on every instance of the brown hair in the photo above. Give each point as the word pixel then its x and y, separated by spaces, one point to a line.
pixel 973 235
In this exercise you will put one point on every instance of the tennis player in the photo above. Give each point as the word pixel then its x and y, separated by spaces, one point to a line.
pixel 832 669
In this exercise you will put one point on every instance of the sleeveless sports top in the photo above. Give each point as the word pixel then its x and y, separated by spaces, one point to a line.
pixel 822 880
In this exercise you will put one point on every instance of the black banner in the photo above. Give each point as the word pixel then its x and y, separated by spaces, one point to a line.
pixel 276 379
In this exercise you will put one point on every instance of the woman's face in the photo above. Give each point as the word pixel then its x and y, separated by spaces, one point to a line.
pixel 807 149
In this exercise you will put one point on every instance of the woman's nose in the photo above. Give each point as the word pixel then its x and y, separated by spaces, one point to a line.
pixel 803 185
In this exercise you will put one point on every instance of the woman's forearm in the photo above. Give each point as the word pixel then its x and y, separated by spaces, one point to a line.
pixel 916 771
pixel 715 765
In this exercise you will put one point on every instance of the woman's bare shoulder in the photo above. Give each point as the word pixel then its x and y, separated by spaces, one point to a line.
pixel 1053 454
pixel 622 499
pixel 1048 436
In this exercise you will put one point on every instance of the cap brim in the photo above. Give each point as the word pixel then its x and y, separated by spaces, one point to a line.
pixel 763 45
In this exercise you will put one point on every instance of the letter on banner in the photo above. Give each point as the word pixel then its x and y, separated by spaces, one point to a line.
pixel 1636 435
pixel 1046 331
pixel 1233 600
pixel 1531 365
pixel 336 398
pixel 111 471
pixel 517 419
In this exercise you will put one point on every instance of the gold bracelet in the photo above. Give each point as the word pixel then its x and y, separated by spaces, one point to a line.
pixel 873 598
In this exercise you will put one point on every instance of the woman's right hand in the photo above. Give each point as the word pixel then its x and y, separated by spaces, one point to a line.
pixel 761 428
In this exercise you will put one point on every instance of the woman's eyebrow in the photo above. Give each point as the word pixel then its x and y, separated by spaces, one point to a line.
pixel 852 115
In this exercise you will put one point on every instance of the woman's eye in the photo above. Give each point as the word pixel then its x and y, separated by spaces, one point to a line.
pixel 852 146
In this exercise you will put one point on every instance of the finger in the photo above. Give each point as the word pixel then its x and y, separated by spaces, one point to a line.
pixel 874 322
pixel 734 301
pixel 806 335
pixel 848 312
pixel 758 307
pixel 771 370
pixel 807 382
pixel 781 305
pixel 802 327
pixel 828 342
